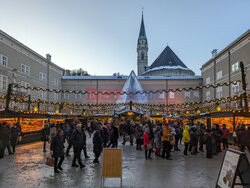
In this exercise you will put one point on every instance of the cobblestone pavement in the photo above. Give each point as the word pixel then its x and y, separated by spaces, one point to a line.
pixel 27 169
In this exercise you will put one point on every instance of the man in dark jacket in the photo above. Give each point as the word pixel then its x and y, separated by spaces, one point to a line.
pixel 104 135
pixel 5 138
pixel 193 140
pixel 126 131
pixel 57 148
pixel 77 142
pixel 84 147
pixel 71 130
pixel 15 132
pixel 208 142
pixel 114 135
pixel 97 148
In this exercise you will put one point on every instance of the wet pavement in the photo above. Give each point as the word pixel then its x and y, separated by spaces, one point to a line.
pixel 27 169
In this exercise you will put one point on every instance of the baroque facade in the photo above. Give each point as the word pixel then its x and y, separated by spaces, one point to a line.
pixel 21 65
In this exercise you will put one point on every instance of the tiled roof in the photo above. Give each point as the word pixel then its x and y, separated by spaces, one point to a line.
pixel 167 58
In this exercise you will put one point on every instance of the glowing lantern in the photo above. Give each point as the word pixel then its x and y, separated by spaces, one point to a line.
pixel 35 109
pixel 130 113
pixel 198 111
pixel 218 108
pixel 57 111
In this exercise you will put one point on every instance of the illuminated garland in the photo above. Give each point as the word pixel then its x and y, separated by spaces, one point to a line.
pixel 128 93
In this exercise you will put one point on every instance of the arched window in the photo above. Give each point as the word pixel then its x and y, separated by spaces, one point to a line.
pixel 142 55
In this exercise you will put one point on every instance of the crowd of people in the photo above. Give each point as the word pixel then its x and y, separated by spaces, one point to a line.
pixel 159 139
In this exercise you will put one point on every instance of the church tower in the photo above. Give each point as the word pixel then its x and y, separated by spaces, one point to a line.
pixel 142 50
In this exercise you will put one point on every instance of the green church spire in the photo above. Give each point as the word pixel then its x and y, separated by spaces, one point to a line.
pixel 142 33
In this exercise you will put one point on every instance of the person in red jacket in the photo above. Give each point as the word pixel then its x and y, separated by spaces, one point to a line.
pixel 147 144
pixel 224 136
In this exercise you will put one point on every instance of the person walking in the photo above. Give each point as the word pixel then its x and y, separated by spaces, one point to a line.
pixel 77 142
pixel 186 139
pixel 84 147
pixel 45 136
pixel 72 128
pixel 147 144
pixel 166 133
pixel 138 136
pixel 57 149
pixel 224 136
pixel 114 135
pixel 14 132
pixel 97 145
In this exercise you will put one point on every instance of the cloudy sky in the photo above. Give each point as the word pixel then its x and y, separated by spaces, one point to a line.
pixel 100 36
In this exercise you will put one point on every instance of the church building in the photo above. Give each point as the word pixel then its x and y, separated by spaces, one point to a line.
pixel 166 64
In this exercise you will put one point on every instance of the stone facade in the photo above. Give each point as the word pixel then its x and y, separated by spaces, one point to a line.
pixel 225 67
pixel 19 64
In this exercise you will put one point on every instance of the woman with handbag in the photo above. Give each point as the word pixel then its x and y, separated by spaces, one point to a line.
pixel 147 144
pixel 57 148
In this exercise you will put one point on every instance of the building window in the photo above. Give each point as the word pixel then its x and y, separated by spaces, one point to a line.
pixel 65 95
pixel 4 60
pixel 78 96
pixel 187 94
pixel 25 69
pixel 3 82
pixel 235 66
pixel 42 76
pixel 55 97
pixel 219 92
pixel 142 55
pixel 208 95
pixel 196 94
pixel 235 88
pixel 55 82
pixel 25 84
pixel 219 74
pixel 171 95
pixel 208 80
pixel 42 94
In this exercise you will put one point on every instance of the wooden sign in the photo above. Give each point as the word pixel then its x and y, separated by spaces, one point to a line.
pixel 235 164
pixel 112 163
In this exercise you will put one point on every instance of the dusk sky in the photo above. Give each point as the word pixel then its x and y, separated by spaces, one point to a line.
pixel 100 36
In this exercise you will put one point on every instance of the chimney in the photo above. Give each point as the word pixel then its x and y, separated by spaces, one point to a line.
pixel 214 53
pixel 48 57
